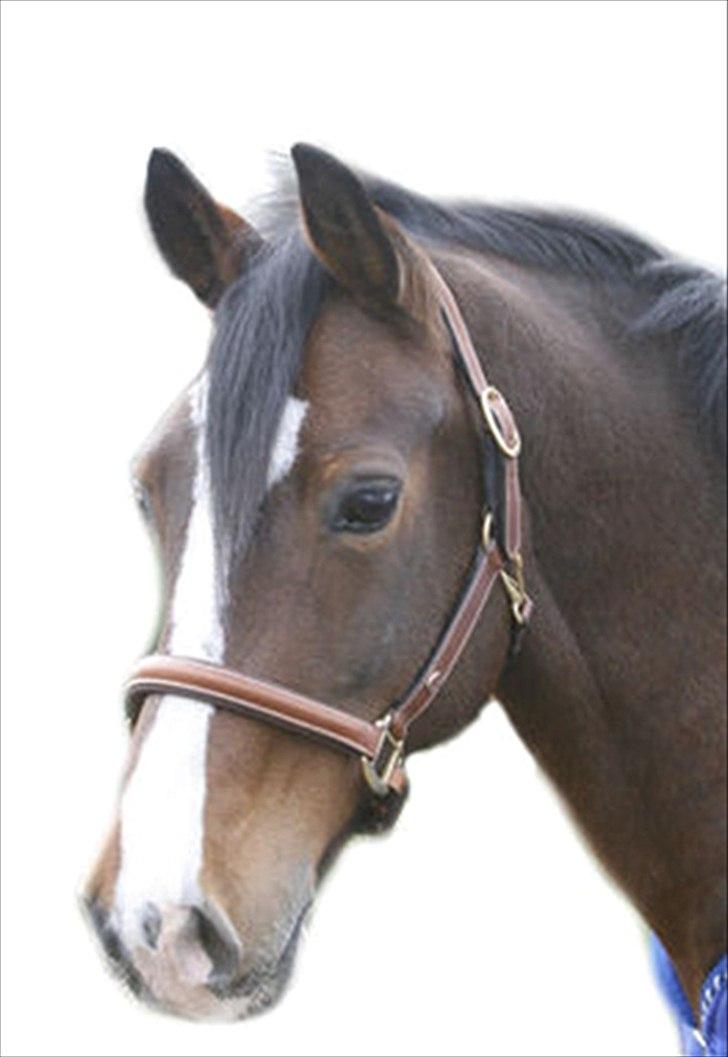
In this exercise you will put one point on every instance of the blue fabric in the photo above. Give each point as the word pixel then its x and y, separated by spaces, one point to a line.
pixel 710 1037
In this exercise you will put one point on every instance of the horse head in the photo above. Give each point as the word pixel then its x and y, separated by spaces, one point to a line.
pixel 316 499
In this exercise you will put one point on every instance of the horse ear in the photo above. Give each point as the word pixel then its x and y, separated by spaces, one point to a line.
pixel 361 246
pixel 344 231
pixel 204 243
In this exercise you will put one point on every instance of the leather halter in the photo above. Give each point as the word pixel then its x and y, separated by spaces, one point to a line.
pixel 381 744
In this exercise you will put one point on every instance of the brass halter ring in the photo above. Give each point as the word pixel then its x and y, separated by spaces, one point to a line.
pixel 511 449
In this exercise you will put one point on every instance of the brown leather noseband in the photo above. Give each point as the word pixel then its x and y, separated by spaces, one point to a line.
pixel 381 744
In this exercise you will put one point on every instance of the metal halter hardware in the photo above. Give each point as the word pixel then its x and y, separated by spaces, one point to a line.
pixel 380 744
pixel 511 448
pixel 388 756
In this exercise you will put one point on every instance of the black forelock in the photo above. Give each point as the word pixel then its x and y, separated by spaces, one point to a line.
pixel 261 326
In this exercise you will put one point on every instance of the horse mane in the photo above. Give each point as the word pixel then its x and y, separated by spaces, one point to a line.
pixel 685 300
pixel 264 318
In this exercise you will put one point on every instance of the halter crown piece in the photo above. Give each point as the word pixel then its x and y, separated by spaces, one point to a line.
pixel 381 744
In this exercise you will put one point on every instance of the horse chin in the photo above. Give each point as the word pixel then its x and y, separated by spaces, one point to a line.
pixel 203 1004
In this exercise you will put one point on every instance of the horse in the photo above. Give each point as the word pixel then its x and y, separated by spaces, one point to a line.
pixel 317 495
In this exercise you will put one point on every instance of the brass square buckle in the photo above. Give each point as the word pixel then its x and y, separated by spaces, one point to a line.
pixel 388 756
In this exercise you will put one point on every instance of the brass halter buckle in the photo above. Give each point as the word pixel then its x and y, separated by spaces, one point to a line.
pixel 510 448
pixel 388 756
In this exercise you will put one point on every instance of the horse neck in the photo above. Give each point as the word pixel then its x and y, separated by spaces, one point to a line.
pixel 618 689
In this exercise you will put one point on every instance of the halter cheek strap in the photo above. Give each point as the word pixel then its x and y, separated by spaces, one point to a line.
pixel 381 744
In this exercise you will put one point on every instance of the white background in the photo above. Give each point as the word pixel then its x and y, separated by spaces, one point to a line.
pixel 510 940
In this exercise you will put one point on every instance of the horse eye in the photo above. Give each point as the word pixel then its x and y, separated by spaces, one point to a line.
pixel 143 499
pixel 367 506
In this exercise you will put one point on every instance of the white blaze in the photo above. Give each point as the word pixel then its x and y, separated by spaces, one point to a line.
pixel 285 446
pixel 162 810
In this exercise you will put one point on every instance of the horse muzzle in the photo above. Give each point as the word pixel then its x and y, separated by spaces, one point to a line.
pixel 190 961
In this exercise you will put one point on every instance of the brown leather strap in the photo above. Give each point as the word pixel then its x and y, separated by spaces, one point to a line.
pixel 259 699
pixel 380 744
pixel 253 698
pixel 513 511
pixel 460 333
pixel 451 645
pixel 496 412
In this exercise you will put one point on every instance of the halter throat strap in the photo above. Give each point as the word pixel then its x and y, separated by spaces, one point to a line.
pixel 380 744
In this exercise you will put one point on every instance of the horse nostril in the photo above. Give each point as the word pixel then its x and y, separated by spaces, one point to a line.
pixel 221 945
pixel 196 943
pixel 151 922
